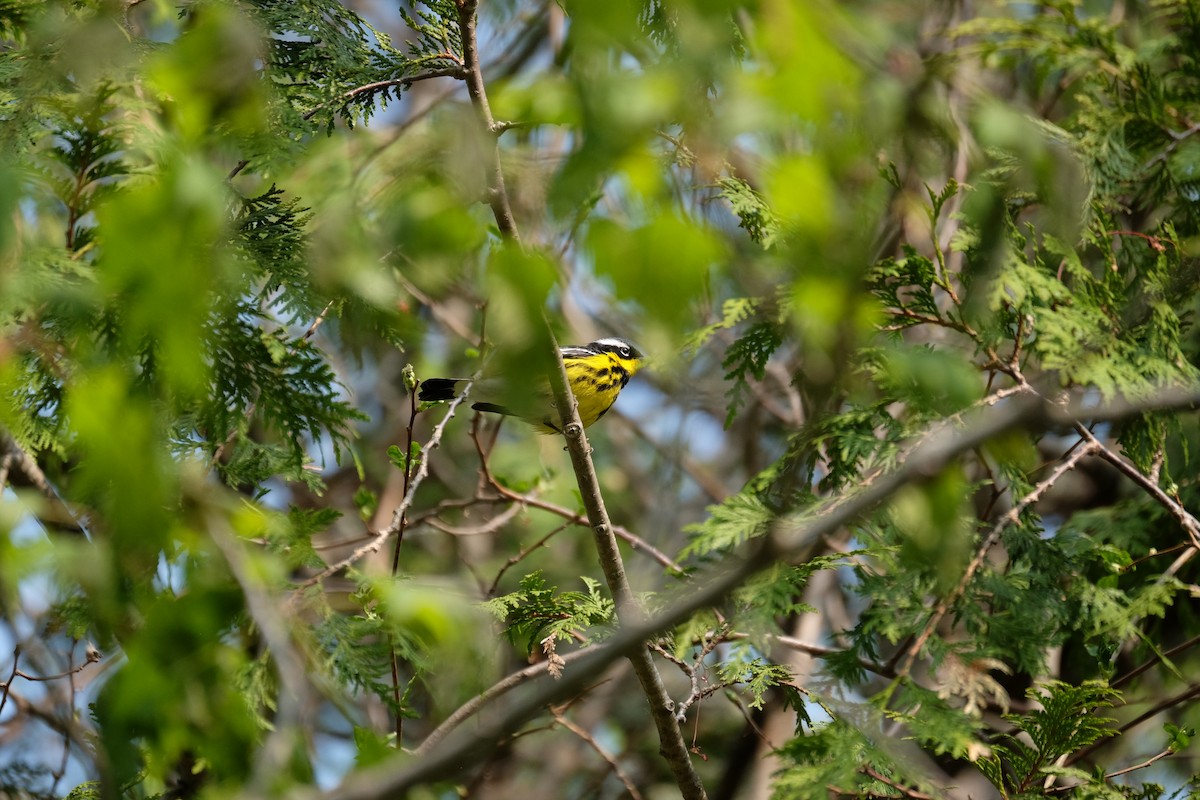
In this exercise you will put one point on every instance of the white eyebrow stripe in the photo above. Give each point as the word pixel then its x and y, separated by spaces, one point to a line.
pixel 611 342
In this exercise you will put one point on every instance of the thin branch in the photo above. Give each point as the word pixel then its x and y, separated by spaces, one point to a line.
pixel 490 526
pixel 926 319
pixel 437 310
pixel 496 690
pixel 1011 517
pixel 497 195
pixel 237 168
pixel 1109 776
pixel 1187 694
pixel 1189 523
pixel 92 657
pixel 411 385
pixel 8 683
pixel 708 643
pixel 561 719
pixel 700 475
pixel 1133 673
pixel 821 651
pixel 1151 760
pixel 446 72
pixel 904 790
pixel 671 744
pixel 521 556
pixel 574 517
pixel 61 770
pixel 630 538
pixel 377 541
pixel 32 474
pixel 1177 138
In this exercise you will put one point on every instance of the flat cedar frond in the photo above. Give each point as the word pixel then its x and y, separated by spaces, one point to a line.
pixel 1066 723
pixel 537 611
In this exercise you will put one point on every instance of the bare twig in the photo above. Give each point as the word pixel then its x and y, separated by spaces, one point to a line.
pixel 91 658
pixel 561 719
pixel 693 671
pixel 904 790
pixel 574 517
pixel 1154 759
pixel 632 539
pixel 1187 694
pixel 821 651
pixel 521 556
pixel 377 541
pixel 1011 517
pixel 1133 673
pixel 472 706
pixel 408 466
pixel 1151 760
pixel 15 456
pixel 1177 138
pixel 1188 522
pixel 490 526
pixel 237 168
pixel 8 683
pixel 435 308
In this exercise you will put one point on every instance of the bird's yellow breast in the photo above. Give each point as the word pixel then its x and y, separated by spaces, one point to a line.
pixel 596 380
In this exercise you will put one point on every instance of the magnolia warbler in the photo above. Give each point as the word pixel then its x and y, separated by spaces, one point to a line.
pixel 597 372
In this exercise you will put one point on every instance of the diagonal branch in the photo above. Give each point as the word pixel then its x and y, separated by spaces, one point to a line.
pixel 1189 523
pixel 60 514
pixel 295 695
pixel 629 612
pixel 562 720
pixel 505 685
pixel 1012 517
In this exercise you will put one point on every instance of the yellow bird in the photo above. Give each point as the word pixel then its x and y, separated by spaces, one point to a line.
pixel 596 372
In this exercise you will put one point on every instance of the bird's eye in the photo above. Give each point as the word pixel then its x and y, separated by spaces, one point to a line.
pixel 625 352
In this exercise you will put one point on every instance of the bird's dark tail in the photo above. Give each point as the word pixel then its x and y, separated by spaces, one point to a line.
pixel 494 409
pixel 434 389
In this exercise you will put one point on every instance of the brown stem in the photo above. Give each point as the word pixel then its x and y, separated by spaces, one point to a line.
pixel 1011 518
pixel 7 686
pixel 561 719
pixel 629 613
pixel 408 442
pixel 1133 673
pixel 497 195
pixel 1170 702
pixel 405 82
